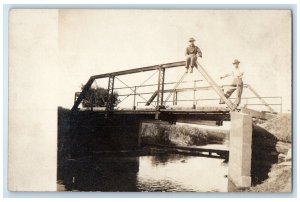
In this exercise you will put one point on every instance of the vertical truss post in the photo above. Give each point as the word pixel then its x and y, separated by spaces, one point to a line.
pixel 160 91
pixel 110 90
pixel 162 83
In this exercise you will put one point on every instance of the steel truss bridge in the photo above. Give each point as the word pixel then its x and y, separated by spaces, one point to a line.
pixel 160 97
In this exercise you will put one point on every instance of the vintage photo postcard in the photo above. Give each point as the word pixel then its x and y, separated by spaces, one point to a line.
pixel 150 100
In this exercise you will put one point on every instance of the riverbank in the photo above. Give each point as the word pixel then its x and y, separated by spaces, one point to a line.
pixel 280 175
pixel 279 179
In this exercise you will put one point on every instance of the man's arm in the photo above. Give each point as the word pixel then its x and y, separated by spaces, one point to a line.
pixel 186 52
pixel 226 75
pixel 199 52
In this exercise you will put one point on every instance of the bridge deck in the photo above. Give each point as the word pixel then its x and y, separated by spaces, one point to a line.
pixel 202 110
pixel 186 114
pixel 173 115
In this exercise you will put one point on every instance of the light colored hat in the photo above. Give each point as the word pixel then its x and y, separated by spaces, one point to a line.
pixel 192 39
pixel 236 61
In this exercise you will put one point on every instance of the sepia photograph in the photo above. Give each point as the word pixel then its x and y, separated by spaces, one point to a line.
pixel 150 100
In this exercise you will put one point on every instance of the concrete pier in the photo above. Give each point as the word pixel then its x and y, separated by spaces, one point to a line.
pixel 239 169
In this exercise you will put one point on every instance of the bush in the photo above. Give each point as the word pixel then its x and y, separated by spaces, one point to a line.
pixel 98 97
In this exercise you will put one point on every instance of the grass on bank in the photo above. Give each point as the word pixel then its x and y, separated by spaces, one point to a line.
pixel 181 135
pixel 280 175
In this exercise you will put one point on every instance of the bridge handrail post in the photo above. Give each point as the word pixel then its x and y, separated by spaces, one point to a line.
pixel 134 98
pixel 280 104
pixel 175 97
pixel 194 95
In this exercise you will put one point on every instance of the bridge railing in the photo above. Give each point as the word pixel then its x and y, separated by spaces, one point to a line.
pixel 277 99
pixel 248 101
pixel 138 89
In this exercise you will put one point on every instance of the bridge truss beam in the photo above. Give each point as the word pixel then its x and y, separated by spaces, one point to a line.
pixel 88 85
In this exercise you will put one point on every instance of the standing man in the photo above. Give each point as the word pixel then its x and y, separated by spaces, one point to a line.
pixel 191 55
pixel 237 82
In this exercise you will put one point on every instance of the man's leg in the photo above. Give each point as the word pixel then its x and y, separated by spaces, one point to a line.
pixel 187 63
pixel 193 61
pixel 239 93
pixel 228 93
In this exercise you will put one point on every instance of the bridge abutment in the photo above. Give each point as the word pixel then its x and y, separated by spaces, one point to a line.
pixel 239 169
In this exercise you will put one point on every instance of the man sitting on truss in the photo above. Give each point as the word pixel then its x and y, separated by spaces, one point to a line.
pixel 191 55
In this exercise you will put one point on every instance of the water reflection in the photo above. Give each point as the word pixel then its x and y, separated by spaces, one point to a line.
pixel 100 174
pixel 165 172
pixel 182 173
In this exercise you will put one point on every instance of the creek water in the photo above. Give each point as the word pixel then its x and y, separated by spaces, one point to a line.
pixel 161 173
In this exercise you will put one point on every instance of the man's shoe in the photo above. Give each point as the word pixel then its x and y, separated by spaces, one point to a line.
pixel 187 71
pixel 191 71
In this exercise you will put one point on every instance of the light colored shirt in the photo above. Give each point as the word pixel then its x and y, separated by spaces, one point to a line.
pixel 237 73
